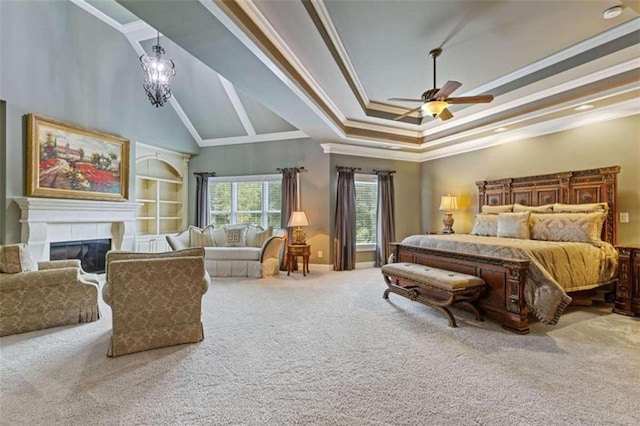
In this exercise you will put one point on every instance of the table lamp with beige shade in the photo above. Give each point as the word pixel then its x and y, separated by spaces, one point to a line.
pixel 448 203
pixel 298 219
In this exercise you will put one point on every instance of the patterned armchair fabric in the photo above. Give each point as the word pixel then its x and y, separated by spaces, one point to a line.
pixel 56 294
pixel 155 298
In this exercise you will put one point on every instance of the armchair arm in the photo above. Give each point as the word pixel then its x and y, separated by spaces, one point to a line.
pixel 56 264
pixel 47 277
pixel 271 248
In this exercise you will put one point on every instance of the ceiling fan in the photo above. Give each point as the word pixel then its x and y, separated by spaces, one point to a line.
pixel 435 101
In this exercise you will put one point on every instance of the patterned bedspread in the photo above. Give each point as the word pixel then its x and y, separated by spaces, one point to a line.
pixel 555 268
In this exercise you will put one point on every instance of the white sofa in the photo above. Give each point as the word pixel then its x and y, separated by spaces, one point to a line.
pixel 252 252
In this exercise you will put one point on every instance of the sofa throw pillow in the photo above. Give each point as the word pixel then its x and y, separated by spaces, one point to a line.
pixel 261 237
pixel 546 208
pixel 514 225
pixel 252 230
pixel 580 208
pixel 15 258
pixel 485 225
pixel 235 237
pixel 569 227
pixel 505 208
pixel 202 237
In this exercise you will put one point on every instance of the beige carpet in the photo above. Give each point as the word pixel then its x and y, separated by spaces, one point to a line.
pixel 328 350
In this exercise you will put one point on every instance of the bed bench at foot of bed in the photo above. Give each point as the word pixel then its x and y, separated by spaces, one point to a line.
pixel 434 287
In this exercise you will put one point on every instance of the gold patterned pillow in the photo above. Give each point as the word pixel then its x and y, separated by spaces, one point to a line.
pixel 15 258
pixel 546 208
pixel 235 236
pixel 514 225
pixel 202 237
pixel 580 208
pixel 485 225
pixel 505 208
pixel 570 227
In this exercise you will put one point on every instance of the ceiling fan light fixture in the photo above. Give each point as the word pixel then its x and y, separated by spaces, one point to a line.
pixel 434 108
pixel 612 12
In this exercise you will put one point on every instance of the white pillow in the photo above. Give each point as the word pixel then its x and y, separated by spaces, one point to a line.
pixel 514 225
pixel 485 225
pixel 580 208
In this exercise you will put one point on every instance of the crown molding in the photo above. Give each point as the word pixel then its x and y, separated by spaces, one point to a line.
pixel 361 151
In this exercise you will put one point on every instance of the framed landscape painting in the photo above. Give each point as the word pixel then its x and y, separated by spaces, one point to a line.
pixel 68 161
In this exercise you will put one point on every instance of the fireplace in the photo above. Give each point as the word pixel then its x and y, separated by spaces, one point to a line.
pixel 51 220
pixel 90 253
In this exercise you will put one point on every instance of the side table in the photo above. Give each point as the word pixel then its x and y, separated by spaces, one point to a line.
pixel 628 286
pixel 295 250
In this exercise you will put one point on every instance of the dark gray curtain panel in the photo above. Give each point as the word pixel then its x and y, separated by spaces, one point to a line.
pixel 202 198
pixel 344 239
pixel 289 203
pixel 385 216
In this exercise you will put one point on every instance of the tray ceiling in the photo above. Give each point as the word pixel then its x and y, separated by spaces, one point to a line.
pixel 265 70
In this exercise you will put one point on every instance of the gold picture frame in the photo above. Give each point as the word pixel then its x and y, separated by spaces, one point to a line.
pixel 68 161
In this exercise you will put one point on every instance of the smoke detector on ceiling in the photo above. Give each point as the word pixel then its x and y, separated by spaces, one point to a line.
pixel 612 12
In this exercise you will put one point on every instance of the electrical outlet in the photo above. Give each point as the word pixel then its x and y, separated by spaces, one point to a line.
pixel 624 217
pixel 319 254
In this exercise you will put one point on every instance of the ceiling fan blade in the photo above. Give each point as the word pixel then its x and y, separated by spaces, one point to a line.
pixel 405 99
pixel 448 88
pixel 445 115
pixel 407 113
pixel 482 99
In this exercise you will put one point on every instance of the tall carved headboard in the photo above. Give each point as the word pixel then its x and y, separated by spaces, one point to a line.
pixel 574 187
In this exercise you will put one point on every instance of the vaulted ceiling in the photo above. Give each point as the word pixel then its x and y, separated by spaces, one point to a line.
pixel 251 71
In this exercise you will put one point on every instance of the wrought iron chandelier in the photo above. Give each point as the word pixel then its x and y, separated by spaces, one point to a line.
pixel 159 73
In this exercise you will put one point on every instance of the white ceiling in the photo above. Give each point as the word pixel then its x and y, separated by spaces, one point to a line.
pixel 326 68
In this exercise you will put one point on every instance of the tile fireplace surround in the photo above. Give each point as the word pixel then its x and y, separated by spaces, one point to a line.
pixel 48 220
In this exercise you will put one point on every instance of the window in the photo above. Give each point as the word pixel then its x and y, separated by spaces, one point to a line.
pixel 366 208
pixel 245 199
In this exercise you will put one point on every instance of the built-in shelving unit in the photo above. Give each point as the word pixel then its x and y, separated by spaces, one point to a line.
pixel 161 181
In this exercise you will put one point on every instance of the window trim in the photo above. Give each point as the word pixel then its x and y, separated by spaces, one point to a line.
pixel 372 179
pixel 234 180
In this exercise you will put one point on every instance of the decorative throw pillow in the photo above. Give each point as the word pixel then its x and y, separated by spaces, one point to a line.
pixel 486 209
pixel 580 208
pixel 220 237
pixel 485 225
pixel 261 237
pixel 15 258
pixel 202 237
pixel 514 225
pixel 235 237
pixel 572 227
pixel 546 208
pixel 251 234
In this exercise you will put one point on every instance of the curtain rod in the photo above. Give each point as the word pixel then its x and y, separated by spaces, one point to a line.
pixel 290 169
pixel 205 174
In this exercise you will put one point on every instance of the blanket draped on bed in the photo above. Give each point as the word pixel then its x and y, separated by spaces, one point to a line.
pixel 554 267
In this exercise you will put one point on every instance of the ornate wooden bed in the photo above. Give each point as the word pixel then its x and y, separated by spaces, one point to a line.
pixel 505 278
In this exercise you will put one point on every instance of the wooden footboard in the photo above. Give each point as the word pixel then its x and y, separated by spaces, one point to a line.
pixel 504 296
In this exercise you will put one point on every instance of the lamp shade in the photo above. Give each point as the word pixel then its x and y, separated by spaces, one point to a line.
pixel 448 202
pixel 434 108
pixel 298 218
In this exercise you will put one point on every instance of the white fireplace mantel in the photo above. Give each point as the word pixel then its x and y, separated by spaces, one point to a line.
pixel 47 220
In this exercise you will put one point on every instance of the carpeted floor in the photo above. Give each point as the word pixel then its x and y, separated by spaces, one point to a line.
pixel 326 349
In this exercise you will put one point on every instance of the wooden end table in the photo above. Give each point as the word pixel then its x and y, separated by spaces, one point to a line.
pixel 295 250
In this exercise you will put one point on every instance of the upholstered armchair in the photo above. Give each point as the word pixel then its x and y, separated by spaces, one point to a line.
pixel 155 298
pixel 49 294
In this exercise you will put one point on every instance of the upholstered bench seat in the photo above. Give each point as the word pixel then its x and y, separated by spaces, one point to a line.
pixel 438 288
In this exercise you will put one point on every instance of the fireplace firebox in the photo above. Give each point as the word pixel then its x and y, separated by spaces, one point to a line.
pixel 91 253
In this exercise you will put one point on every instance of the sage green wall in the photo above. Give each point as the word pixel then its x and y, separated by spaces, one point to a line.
pixel 407 193
pixel 60 61
pixel 265 158
pixel 611 143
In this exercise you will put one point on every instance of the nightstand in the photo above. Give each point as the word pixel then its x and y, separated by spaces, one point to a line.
pixel 628 286
pixel 295 250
